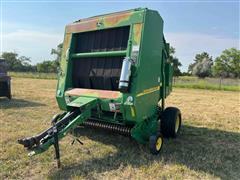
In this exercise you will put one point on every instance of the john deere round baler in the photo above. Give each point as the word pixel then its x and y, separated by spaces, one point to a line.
pixel 114 75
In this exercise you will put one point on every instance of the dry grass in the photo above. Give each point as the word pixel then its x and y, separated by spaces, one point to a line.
pixel 207 148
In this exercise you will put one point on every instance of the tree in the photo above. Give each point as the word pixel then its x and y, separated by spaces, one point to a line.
pixel 57 52
pixel 175 61
pixel 11 60
pixel 227 64
pixel 201 66
pixel 47 67
pixel 51 66
pixel 26 66
pixel 16 63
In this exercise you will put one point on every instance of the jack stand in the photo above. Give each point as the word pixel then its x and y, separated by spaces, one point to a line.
pixel 76 139
pixel 56 146
pixel 80 142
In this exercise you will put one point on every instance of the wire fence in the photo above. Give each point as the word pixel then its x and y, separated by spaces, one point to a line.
pixel 228 84
pixel 207 83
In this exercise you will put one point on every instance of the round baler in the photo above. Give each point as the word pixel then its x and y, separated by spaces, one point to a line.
pixel 114 75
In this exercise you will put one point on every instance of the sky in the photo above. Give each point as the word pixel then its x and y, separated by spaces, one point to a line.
pixel 32 28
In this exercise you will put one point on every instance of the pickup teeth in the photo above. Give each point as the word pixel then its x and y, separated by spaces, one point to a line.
pixel 120 129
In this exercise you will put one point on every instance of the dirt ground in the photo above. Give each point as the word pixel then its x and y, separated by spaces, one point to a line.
pixel 208 146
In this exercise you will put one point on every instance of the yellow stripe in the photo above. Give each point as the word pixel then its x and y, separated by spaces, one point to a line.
pixel 148 91
pixel 133 111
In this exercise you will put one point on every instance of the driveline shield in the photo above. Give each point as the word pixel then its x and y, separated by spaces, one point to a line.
pixel 125 74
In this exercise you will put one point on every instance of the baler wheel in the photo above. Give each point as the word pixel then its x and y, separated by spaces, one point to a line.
pixel 171 122
pixel 155 143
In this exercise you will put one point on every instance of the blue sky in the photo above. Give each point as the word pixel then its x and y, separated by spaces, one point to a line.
pixel 33 28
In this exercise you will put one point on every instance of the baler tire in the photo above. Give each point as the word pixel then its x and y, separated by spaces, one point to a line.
pixel 171 122
pixel 155 143
pixel 9 91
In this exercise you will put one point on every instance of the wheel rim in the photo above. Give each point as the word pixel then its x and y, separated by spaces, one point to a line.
pixel 177 124
pixel 159 143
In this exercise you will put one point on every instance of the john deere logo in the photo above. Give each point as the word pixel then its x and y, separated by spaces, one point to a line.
pixel 99 24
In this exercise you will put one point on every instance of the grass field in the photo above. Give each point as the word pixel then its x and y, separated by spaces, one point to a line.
pixel 188 82
pixel 208 146
pixel 33 75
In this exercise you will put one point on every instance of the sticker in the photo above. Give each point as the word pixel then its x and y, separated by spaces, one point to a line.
pixel 67 99
pixel 133 111
pixel 114 107
pixel 67 54
pixel 135 52
pixel 135 48
pixel 148 91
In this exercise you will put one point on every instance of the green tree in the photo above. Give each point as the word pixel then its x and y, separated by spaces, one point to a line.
pixel 51 66
pixel 47 67
pixel 11 60
pixel 57 52
pixel 202 65
pixel 227 64
pixel 175 61
pixel 16 63
pixel 26 66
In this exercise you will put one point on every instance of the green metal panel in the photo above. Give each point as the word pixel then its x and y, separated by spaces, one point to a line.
pixel 107 21
pixel 64 75
pixel 169 77
pixel 149 65
pixel 81 101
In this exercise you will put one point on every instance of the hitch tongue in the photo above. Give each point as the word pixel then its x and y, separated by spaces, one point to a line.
pixel 28 142
pixel 60 127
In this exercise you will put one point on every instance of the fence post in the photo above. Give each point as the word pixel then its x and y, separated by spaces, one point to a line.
pixel 220 83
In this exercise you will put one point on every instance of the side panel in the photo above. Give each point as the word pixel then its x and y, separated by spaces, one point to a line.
pixel 169 78
pixel 149 65
pixel 134 49
pixel 63 75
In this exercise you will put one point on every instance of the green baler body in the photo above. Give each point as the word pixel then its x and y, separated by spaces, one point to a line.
pixel 151 74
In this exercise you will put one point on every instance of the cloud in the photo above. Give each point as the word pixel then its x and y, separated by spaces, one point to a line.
pixel 34 44
pixel 189 44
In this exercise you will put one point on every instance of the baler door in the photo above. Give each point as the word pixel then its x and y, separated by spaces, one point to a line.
pixel 99 72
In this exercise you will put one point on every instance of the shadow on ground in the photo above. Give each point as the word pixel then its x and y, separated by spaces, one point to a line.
pixel 206 150
pixel 18 103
